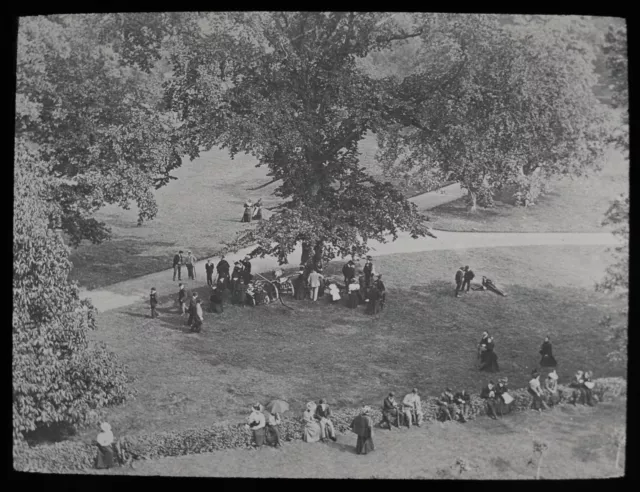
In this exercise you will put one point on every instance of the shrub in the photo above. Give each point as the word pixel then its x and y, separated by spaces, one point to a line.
pixel 69 456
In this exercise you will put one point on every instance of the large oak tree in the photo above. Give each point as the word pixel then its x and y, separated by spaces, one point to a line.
pixel 286 88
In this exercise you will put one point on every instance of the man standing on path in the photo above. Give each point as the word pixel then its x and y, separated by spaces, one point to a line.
pixel 191 265
pixel 459 279
pixel 223 270
pixel 178 261
pixel 209 269
pixel 468 277
pixel 153 302
pixel 314 283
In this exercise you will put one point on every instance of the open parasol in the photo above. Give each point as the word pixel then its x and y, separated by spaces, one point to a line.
pixel 277 406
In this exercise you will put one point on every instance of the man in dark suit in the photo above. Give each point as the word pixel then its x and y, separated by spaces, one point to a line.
pixel 223 273
pixel 349 271
pixel 468 277
pixel 192 309
pixel 489 394
pixel 246 263
pixel 209 269
pixel 459 279
pixel 177 266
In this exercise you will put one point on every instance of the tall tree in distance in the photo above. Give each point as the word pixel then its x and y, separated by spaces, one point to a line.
pixel 285 87
pixel 497 104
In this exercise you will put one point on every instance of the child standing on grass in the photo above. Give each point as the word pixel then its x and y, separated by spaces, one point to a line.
pixel 153 301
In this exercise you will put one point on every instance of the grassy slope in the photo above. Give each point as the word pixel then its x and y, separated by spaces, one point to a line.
pixel 578 438
pixel 199 211
pixel 572 206
pixel 426 338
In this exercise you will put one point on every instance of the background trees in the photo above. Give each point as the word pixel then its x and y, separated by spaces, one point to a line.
pixel 499 104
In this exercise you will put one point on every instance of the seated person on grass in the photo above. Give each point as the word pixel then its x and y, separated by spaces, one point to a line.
pixel 446 405
pixel 390 413
pixel 503 399
pixel 489 394
pixel 463 402
pixel 412 408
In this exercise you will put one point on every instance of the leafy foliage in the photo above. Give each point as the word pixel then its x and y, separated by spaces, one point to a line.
pixel 286 88
pixel 86 99
pixel 57 376
pixel 617 61
pixel 496 104
pixel 616 280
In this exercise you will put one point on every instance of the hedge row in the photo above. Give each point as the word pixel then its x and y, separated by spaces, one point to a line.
pixel 74 456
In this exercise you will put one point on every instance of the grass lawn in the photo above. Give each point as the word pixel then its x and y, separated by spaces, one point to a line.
pixel 425 338
pixel 199 211
pixel 571 206
pixel 578 437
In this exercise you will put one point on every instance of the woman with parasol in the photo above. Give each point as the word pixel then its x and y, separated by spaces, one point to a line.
pixel 362 425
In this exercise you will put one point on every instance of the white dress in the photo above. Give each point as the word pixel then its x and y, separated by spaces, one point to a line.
pixel 335 292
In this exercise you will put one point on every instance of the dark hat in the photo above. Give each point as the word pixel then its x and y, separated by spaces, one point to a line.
pixel 467 267
pixel 153 288
pixel 491 382
pixel 391 393
pixel 414 390
pixel 369 258
pixel 448 389
pixel 180 251
pixel 195 294
pixel 322 401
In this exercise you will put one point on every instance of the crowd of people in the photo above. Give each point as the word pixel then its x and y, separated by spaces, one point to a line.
pixel 240 287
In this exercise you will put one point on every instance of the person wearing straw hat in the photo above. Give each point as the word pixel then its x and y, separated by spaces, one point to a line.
pixel 551 388
pixel 256 422
pixel 312 430
pixel 104 458
pixel 323 414
pixel 535 391
pixel 362 426
pixel 191 265
pixel 412 407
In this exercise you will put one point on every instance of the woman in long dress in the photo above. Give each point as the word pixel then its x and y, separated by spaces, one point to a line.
pixel 489 357
pixel 104 458
pixel 257 214
pixel 354 298
pixel 248 212
pixel 216 300
pixel 547 354
pixel 362 425
pixel 312 431
pixel 256 422
pixel 299 286
pixel 272 430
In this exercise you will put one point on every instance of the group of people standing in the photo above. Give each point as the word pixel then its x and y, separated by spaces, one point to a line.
pixel 252 211
pixel 188 260
pixel 488 359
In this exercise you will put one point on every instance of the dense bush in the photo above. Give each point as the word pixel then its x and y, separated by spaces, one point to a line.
pixel 69 456
pixel 58 376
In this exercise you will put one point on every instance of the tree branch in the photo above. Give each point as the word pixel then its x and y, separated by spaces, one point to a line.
pixel 264 185
pixel 399 37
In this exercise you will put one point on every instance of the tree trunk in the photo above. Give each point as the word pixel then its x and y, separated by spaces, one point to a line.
pixel 306 253
pixel 318 250
pixel 474 201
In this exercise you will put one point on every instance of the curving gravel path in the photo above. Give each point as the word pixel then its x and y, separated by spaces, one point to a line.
pixel 137 289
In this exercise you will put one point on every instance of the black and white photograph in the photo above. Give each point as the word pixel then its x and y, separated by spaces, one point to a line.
pixel 321 244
